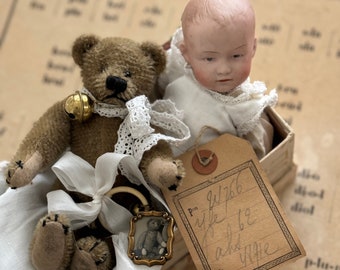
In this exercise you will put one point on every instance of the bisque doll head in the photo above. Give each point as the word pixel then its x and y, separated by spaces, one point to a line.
pixel 219 42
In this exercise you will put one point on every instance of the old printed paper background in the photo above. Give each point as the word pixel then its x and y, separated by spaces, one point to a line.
pixel 298 54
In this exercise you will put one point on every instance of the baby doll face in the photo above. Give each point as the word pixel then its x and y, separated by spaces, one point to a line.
pixel 220 56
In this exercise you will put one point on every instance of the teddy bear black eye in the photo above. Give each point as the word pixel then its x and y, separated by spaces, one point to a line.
pixel 127 74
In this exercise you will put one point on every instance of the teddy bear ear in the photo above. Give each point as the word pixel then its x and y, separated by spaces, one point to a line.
pixel 81 46
pixel 156 53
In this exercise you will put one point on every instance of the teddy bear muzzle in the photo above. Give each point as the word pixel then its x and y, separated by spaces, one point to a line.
pixel 116 84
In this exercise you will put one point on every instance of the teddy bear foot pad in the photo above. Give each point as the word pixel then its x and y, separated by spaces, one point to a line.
pixel 91 254
pixel 51 239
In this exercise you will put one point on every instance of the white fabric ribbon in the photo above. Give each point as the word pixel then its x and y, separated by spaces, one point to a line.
pixel 78 175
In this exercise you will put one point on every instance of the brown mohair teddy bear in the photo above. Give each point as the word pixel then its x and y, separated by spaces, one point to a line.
pixel 114 70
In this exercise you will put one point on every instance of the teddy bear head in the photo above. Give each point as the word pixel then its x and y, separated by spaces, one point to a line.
pixel 115 69
pixel 154 224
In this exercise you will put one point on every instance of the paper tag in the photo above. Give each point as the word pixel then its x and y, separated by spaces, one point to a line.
pixel 232 218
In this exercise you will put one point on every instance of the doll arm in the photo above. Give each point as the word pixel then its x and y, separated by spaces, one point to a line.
pixel 41 147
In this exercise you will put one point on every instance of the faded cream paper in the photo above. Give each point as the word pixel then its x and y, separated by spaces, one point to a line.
pixel 298 53
pixel 232 218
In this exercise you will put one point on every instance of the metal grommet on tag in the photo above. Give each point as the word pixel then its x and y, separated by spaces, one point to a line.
pixel 204 162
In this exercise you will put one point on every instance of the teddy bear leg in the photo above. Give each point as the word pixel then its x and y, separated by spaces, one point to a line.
pixel 52 245
pixel 92 254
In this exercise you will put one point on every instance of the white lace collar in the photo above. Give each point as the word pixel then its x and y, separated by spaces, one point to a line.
pixel 105 109
pixel 135 134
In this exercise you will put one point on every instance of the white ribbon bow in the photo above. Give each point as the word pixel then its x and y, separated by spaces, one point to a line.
pixel 78 175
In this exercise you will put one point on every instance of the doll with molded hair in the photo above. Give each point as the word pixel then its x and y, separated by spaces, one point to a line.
pixel 207 74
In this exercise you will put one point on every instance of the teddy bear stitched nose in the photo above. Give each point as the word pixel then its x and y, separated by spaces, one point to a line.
pixel 116 84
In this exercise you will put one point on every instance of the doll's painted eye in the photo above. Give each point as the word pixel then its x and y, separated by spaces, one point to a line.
pixel 237 55
pixel 127 74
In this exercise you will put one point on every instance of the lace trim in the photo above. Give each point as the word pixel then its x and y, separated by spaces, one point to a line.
pixel 245 103
pixel 175 61
pixel 246 90
pixel 135 134
pixel 249 125
pixel 104 109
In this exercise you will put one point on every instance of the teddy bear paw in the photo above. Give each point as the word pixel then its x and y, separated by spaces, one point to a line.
pixel 161 251
pixel 21 173
pixel 92 253
pixel 179 175
pixel 166 173
pixel 52 243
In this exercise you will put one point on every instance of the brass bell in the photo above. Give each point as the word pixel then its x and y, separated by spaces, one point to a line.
pixel 79 106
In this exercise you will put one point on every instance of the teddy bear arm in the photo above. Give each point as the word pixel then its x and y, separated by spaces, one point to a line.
pixel 141 240
pixel 41 147
pixel 160 239
pixel 159 167
pixel 160 151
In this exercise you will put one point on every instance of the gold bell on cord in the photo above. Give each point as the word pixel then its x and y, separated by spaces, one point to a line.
pixel 79 106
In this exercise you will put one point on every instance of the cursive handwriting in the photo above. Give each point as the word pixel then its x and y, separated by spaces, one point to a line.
pixel 215 220
pixel 209 218
pixel 232 244
pixel 234 188
pixel 255 252
pixel 249 220
pixel 218 197
pixel 217 201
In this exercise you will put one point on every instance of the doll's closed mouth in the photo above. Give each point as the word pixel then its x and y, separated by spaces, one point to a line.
pixel 224 80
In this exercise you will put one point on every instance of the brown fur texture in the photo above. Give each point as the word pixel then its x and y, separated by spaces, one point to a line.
pixel 139 65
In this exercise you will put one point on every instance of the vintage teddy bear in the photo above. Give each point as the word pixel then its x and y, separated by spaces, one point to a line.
pixel 151 243
pixel 114 71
